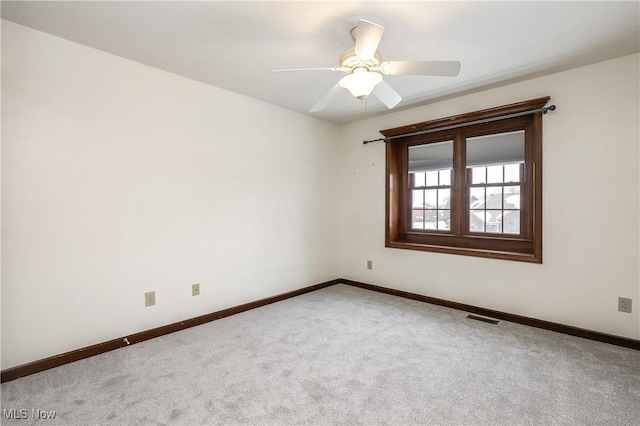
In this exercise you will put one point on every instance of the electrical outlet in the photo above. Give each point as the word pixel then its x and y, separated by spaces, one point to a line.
pixel 150 298
pixel 195 289
pixel 624 304
pixel 369 264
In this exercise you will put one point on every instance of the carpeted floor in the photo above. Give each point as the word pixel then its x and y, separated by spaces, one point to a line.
pixel 343 355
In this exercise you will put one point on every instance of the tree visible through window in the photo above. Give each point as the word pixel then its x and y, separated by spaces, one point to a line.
pixel 473 188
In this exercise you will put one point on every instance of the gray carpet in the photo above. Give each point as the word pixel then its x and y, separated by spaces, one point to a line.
pixel 343 355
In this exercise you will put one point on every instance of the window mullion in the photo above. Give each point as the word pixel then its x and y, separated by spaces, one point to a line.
pixel 527 189
pixel 406 199
pixel 459 188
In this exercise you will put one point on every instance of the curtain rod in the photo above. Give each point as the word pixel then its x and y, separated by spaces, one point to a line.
pixel 455 126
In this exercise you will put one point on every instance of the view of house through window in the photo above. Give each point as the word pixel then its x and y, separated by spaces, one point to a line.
pixel 495 174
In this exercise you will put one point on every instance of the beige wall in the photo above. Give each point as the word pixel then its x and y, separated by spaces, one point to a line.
pixel 590 203
pixel 120 179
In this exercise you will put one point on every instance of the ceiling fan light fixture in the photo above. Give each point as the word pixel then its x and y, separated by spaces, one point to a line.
pixel 360 82
pixel 364 67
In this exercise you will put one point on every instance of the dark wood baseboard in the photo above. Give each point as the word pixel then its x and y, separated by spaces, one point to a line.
pixel 532 322
pixel 89 351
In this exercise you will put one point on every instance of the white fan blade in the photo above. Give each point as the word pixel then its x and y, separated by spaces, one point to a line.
pixel 326 99
pixel 436 68
pixel 386 94
pixel 367 39
pixel 307 69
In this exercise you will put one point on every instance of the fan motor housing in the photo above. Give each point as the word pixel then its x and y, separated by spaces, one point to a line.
pixel 350 60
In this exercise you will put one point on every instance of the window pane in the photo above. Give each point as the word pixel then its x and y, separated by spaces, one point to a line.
pixel 497 148
pixel 444 217
pixel 494 174
pixel 512 197
pixel 445 177
pixel 494 198
pixel 512 172
pixel 418 198
pixel 476 198
pixel 431 198
pixel 418 179
pixel 433 156
pixel 493 222
pixel 432 178
pixel 444 198
pixel 430 219
pixel 476 221
pixel 417 220
pixel 511 222
pixel 479 175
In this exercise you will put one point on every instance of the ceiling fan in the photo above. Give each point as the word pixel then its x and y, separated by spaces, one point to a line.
pixel 363 66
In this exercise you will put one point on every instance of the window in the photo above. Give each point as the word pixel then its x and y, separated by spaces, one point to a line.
pixel 469 184
pixel 495 166
pixel 431 185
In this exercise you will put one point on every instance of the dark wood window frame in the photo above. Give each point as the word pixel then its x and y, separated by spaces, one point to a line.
pixel 527 246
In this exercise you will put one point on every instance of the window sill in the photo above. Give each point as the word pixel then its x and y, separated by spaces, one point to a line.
pixel 465 251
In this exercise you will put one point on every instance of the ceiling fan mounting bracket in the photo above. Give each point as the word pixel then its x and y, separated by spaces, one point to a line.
pixel 343 29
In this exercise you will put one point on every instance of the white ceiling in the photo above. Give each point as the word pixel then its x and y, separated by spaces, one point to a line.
pixel 233 44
